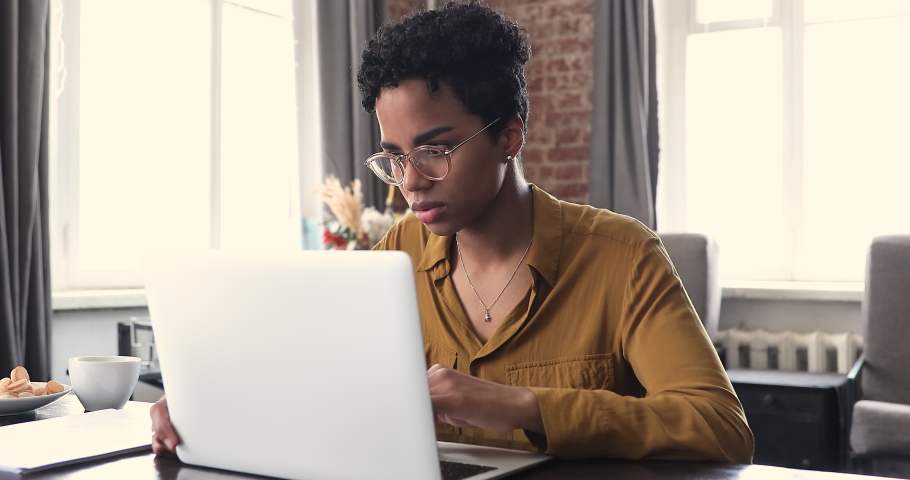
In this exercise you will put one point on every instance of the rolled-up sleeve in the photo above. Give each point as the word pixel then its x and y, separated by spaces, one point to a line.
pixel 689 411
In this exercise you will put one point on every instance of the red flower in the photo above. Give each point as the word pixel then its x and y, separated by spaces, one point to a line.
pixel 337 241
pixel 364 241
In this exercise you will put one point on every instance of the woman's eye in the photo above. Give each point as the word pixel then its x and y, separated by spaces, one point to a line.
pixel 436 151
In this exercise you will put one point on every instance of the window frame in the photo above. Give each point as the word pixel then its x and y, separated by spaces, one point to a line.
pixel 695 26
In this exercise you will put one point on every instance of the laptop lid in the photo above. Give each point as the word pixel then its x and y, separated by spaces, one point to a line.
pixel 314 358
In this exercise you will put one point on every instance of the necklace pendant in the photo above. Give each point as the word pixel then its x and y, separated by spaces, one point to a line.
pixel 486 315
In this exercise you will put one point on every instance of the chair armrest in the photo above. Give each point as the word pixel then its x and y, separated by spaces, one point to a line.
pixel 852 394
pixel 855 372
pixel 854 376
pixel 854 389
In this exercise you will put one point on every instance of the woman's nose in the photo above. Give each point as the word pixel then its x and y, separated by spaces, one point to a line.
pixel 413 180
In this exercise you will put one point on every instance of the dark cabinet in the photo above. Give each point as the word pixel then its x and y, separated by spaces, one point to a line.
pixel 797 418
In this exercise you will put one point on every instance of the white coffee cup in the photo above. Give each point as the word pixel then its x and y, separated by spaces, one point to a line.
pixel 104 382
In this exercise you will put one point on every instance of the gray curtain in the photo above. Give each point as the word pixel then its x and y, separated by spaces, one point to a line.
pixel 25 306
pixel 349 135
pixel 622 174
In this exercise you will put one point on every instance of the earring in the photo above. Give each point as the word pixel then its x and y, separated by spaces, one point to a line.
pixel 509 158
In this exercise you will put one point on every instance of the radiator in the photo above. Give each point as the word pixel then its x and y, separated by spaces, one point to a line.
pixel 808 352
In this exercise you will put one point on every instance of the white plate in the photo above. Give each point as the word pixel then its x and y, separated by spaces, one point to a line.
pixel 15 406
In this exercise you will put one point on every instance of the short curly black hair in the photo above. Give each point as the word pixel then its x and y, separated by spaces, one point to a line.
pixel 478 52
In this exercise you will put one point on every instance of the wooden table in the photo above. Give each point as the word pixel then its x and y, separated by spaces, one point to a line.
pixel 145 465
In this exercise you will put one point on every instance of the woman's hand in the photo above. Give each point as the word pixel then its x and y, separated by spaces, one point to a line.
pixel 466 401
pixel 164 437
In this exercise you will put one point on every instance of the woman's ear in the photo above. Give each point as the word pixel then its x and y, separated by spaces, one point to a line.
pixel 513 136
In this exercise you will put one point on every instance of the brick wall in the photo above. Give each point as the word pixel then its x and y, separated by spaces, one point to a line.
pixel 400 8
pixel 560 80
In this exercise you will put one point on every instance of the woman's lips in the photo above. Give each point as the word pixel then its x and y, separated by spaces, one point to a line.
pixel 427 212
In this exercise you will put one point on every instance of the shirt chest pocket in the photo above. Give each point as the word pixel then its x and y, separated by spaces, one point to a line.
pixel 439 354
pixel 590 372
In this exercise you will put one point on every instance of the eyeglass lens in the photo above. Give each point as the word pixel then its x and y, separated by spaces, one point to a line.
pixel 430 162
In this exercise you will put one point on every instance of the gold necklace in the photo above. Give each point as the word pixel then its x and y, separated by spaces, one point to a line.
pixel 486 309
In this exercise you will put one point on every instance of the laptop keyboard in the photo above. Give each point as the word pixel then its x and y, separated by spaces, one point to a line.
pixel 458 471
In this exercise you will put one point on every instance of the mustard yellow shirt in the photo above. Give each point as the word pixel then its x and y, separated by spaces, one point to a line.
pixel 605 336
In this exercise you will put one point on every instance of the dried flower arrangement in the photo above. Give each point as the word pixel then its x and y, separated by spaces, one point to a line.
pixel 351 226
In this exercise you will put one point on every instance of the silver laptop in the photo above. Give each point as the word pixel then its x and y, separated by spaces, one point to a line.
pixel 302 365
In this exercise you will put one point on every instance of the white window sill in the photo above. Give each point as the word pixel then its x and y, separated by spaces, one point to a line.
pixel 818 291
pixel 757 290
pixel 94 299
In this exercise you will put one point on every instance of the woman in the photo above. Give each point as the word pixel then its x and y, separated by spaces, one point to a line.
pixel 547 325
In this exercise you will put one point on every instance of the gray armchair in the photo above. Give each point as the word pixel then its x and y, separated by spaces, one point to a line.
pixel 880 427
pixel 695 257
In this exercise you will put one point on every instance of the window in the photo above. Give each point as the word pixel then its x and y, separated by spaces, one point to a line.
pixel 785 125
pixel 175 125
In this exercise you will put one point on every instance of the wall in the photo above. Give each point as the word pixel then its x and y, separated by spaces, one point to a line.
pixel 798 315
pixel 560 79
pixel 400 8
pixel 85 332
pixel 92 332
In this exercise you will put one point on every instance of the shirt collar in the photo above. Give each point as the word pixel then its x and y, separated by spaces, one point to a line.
pixel 545 250
pixel 547 246
pixel 436 250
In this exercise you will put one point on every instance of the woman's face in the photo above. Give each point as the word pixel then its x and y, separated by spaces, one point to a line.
pixel 410 116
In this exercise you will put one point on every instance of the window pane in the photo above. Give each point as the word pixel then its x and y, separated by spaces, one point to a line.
pixel 281 8
pixel 856 155
pixel 840 10
pixel 258 130
pixel 709 11
pixel 733 149
pixel 144 129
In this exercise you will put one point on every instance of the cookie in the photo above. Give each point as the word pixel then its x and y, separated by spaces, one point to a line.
pixel 53 387
pixel 19 386
pixel 19 373
pixel 4 385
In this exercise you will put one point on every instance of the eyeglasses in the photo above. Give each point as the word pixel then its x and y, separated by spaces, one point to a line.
pixel 431 162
